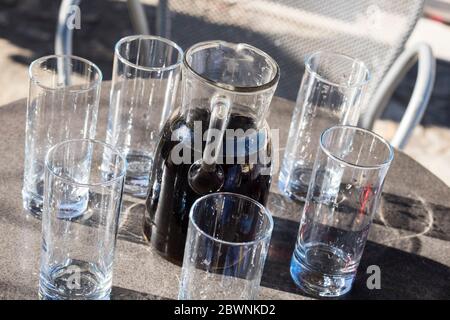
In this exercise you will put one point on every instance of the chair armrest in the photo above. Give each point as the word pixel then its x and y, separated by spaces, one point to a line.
pixel 419 98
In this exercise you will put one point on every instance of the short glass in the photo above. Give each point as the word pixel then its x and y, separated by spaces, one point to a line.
pixel 226 248
pixel 62 104
pixel 330 94
pixel 146 75
pixel 343 196
pixel 82 200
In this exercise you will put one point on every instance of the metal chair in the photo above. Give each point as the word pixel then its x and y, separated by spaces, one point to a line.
pixel 375 31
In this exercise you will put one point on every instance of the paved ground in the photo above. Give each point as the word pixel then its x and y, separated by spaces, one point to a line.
pixel 27 32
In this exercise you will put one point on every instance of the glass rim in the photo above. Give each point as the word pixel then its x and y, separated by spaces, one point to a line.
pixel 228 87
pixel 267 234
pixel 94 83
pixel 357 84
pixel 383 164
pixel 167 42
pixel 94 142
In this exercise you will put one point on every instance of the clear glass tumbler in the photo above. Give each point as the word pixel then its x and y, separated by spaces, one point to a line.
pixel 330 94
pixel 82 200
pixel 227 244
pixel 146 75
pixel 62 104
pixel 343 196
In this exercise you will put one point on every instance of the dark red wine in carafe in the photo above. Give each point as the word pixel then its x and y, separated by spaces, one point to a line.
pixel 171 196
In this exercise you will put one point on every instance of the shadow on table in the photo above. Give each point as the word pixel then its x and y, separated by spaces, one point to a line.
pixel 403 275
pixel 119 293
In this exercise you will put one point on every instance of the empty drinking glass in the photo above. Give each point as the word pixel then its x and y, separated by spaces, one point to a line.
pixel 62 104
pixel 145 79
pixel 330 94
pixel 226 247
pixel 343 196
pixel 82 200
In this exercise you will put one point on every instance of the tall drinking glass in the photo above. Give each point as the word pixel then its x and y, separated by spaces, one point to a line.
pixel 343 196
pixel 145 80
pixel 330 94
pixel 62 104
pixel 227 243
pixel 82 200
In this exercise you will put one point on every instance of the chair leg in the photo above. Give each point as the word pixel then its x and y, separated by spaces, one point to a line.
pixel 63 37
pixel 137 17
pixel 163 19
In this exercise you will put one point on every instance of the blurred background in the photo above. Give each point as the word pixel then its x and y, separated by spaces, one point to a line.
pixel 27 31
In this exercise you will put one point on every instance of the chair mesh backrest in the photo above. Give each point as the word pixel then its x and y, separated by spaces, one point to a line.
pixel 374 31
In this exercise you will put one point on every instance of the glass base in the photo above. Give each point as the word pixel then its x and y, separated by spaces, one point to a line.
pixel 136 188
pixel 317 283
pixel 75 280
pixel 138 174
pixel 292 188
pixel 33 204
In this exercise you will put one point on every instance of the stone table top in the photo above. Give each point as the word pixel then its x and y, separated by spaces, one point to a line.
pixel 409 239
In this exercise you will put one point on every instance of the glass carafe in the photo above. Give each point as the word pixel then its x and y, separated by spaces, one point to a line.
pixel 216 140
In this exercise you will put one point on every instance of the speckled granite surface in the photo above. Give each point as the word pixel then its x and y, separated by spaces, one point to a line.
pixel 409 240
